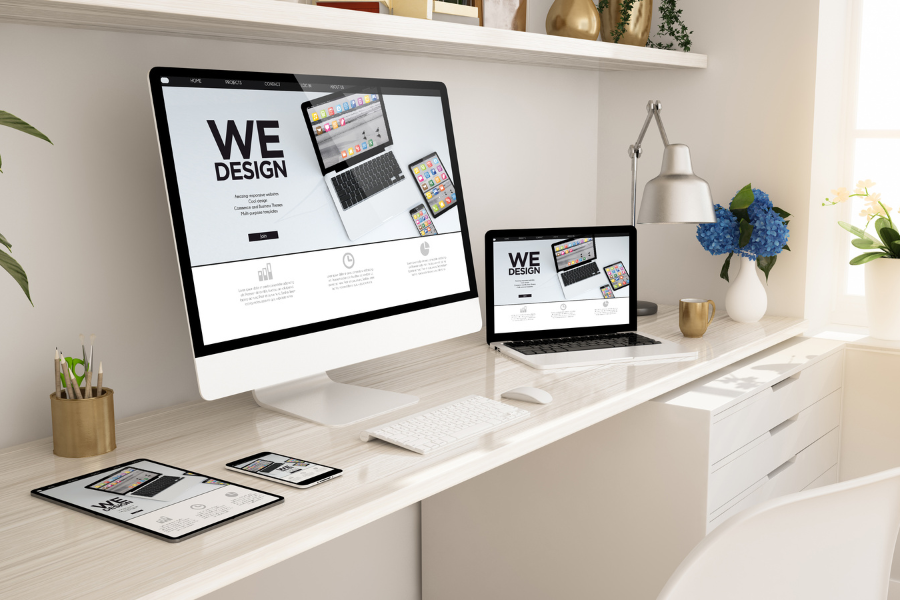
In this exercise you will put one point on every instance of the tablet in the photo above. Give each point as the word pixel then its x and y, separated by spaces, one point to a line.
pixel 157 499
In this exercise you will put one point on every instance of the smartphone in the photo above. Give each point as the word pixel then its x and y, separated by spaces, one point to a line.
pixel 284 469
pixel 422 220
pixel 607 291
pixel 434 183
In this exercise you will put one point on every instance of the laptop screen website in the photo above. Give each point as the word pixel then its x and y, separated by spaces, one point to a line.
pixel 271 247
pixel 543 283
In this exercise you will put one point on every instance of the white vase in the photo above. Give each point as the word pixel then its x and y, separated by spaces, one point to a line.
pixel 745 300
pixel 883 298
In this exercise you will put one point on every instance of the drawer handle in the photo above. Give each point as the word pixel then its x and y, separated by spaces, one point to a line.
pixel 786 382
pixel 784 425
pixel 785 465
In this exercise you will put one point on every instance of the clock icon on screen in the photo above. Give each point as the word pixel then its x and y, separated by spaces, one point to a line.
pixel 349 261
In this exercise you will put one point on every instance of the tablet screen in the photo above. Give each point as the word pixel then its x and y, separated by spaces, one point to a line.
pixel 157 499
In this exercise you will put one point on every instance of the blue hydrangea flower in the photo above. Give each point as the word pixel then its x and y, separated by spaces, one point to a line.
pixel 722 236
pixel 769 236
pixel 761 205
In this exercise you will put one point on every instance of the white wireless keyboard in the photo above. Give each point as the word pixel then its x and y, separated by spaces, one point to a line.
pixel 447 424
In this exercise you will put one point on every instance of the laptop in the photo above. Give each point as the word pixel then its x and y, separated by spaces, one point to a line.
pixel 576 267
pixel 533 318
pixel 352 140
pixel 141 483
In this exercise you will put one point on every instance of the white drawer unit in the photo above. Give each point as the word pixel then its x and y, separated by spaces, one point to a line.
pixel 652 482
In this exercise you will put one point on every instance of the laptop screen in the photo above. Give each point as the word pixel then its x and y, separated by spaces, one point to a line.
pixel 348 125
pixel 589 287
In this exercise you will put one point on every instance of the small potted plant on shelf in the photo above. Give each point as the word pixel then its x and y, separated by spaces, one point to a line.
pixel 7 262
pixel 881 251
pixel 757 232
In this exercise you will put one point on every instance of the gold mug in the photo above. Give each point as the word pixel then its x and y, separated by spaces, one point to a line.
pixel 694 316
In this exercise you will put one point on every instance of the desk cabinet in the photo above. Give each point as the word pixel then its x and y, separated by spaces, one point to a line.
pixel 611 511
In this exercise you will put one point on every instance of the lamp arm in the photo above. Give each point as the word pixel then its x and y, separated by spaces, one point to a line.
pixel 634 151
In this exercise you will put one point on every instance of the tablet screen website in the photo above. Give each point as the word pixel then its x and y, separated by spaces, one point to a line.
pixel 543 283
pixel 276 237
pixel 197 502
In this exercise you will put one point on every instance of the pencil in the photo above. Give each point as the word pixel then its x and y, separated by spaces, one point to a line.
pixel 75 385
pixel 88 392
pixel 69 393
pixel 100 380
pixel 56 380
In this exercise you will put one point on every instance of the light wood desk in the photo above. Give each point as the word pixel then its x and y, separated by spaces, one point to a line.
pixel 47 551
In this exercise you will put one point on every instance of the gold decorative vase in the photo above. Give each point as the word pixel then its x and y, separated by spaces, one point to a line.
pixel 83 427
pixel 637 31
pixel 574 19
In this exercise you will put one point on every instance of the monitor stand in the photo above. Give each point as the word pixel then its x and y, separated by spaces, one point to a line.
pixel 319 399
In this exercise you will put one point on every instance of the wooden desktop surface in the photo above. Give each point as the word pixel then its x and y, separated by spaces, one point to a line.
pixel 48 551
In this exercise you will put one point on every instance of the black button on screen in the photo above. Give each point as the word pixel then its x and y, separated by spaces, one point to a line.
pixel 265 235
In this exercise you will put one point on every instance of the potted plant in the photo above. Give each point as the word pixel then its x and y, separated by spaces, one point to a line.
pixel 7 262
pixel 757 232
pixel 880 258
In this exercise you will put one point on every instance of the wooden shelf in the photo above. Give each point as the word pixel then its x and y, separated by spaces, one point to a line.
pixel 272 22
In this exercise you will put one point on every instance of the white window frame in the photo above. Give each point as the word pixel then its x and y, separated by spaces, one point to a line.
pixel 848 308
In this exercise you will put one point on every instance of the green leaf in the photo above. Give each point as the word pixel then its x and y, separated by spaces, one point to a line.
pixel 765 264
pixel 857 231
pixel 11 266
pixel 743 198
pixel 865 244
pixel 895 249
pixel 781 213
pixel 887 233
pixel 746 232
pixel 18 124
pixel 786 247
pixel 724 272
pixel 5 242
pixel 864 258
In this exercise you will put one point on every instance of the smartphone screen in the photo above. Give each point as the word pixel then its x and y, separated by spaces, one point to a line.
pixel 422 220
pixel 292 471
pixel 606 291
pixel 434 183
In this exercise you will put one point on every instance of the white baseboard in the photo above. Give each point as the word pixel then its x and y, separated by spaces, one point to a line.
pixel 894 590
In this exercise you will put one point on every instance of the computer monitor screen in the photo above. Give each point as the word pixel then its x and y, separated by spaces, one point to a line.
pixel 300 203
pixel 559 280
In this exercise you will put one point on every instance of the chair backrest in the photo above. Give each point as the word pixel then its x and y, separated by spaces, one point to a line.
pixel 831 543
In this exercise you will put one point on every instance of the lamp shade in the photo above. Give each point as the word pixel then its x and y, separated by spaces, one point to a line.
pixel 677 195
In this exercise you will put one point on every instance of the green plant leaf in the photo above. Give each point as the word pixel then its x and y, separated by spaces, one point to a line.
pixel 781 213
pixel 865 244
pixel 857 231
pixel 786 247
pixel 895 249
pixel 864 258
pixel 888 234
pixel 765 264
pixel 746 232
pixel 12 266
pixel 724 272
pixel 743 198
pixel 18 124
pixel 5 242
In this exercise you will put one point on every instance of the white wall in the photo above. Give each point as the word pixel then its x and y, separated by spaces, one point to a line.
pixel 88 217
pixel 747 119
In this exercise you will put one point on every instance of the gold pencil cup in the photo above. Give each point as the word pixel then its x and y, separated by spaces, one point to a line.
pixel 83 427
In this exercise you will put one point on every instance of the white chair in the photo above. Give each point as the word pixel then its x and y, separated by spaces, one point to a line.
pixel 831 543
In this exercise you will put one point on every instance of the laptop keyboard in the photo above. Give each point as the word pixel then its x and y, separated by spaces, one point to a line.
pixel 270 468
pixel 156 486
pixel 579 273
pixel 367 179
pixel 587 342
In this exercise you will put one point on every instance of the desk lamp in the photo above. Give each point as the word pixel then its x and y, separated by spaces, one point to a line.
pixel 676 195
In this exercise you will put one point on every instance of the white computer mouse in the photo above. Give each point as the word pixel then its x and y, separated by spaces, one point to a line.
pixel 528 394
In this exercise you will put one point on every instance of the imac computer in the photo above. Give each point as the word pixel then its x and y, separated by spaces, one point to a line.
pixel 319 222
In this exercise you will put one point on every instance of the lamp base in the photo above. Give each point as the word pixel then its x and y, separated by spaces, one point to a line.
pixel 645 308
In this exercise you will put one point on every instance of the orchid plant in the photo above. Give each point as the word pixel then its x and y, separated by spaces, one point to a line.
pixel 877 214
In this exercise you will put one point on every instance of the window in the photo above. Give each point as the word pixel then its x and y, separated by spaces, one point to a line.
pixel 872 134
